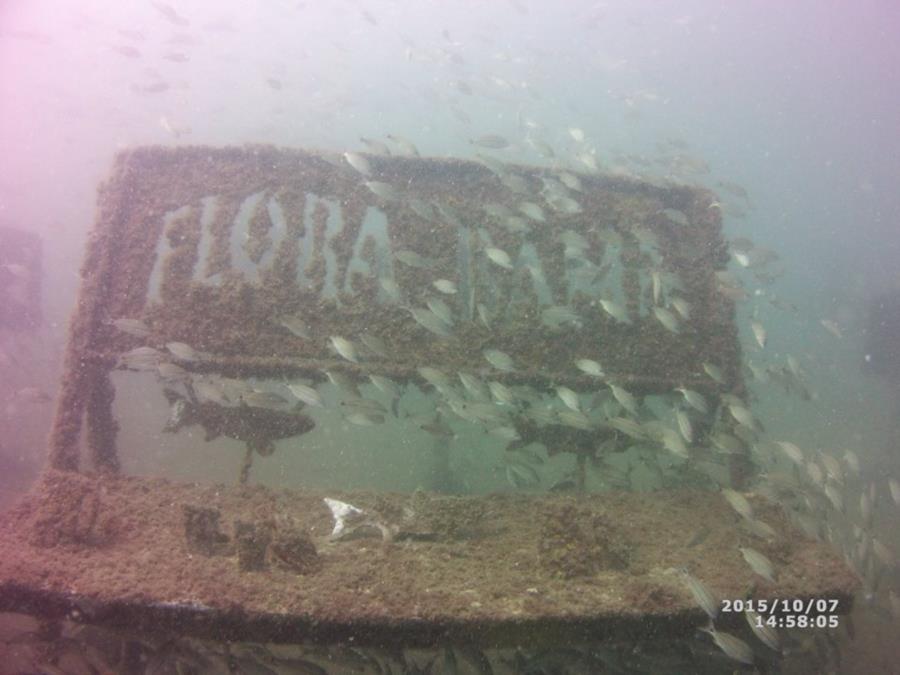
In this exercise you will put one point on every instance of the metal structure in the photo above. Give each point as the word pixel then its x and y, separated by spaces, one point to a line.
pixel 211 246
pixel 214 247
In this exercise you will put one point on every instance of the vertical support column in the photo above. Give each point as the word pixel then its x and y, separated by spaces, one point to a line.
pixel 102 427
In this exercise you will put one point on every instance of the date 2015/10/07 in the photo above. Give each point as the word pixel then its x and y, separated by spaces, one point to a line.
pixel 788 613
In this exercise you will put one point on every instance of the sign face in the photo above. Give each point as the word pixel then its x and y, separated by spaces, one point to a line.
pixel 281 264
pixel 20 280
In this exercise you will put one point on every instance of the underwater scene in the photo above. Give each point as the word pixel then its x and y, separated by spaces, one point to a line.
pixel 382 336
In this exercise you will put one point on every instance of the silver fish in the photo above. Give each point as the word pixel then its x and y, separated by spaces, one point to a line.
pixel 506 433
pixel 705 598
pixel 375 147
pixel 413 259
pixel 515 183
pixel 474 386
pixel 759 563
pixel 391 288
pixel 385 385
pixel 433 376
pixel 556 315
pixel 564 204
pixel 667 319
pixel 344 347
pixel 500 360
pixel 761 628
pixel 499 257
pixel 851 459
pixel 575 419
pixel 31 395
pixel 532 211
pixel 522 475
pixel 421 208
pixel 832 327
pixel 726 443
pixel 405 147
pixel 793 453
pixel 172 372
pixel 295 325
pixel 501 393
pixel 182 351
pixel 733 647
pixel 671 440
pixel 361 404
pixel 345 385
pixel 430 321
pixel 375 345
pixel 738 502
pixel 684 425
pixel 759 332
pixel 384 190
pixel 491 141
pixel 484 315
pixel 742 415
pixel 365 418
pixel 625 399
pixel 682 306
pixel 445 286
pixel 759 528
pixel 133 327
pixel 358 162
pixel 628 426
pixel 894 487
pixel 589 367
pixel 441 310
pixel 835 497
pixel 305 393
pixel 615 310
pixel 265 399
pixel 714 372
pixel 140 358
pixel 676 216
pixel 569 397
pixel 211 391
pixel 883 553
pixel 694 399
pixel 570 180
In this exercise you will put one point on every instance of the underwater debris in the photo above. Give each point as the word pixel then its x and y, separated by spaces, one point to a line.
pixel 251 542
pixel 292 548
pixel 575 542
pixel 203 532
pixel 349 519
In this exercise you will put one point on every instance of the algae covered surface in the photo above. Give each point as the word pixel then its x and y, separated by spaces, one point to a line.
pixel 491 569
